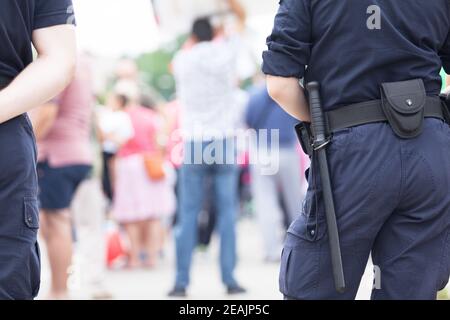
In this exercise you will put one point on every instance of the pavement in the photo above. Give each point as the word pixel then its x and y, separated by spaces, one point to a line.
pixel 259 278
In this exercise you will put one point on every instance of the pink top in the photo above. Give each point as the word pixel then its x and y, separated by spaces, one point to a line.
pixel 68 141
pixel 145 124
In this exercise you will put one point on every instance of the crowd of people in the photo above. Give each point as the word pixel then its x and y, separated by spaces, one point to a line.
pixel 166 167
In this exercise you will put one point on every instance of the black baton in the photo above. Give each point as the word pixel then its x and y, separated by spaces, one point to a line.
pixel 321 141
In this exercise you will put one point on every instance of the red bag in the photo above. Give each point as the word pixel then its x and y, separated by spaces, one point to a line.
pixel 114 248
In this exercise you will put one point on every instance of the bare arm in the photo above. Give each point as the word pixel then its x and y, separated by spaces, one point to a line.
pixel 289 94
pixel 239 10
pixel 48 75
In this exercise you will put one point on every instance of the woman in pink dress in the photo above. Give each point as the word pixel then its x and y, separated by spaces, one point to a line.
pixel 140 203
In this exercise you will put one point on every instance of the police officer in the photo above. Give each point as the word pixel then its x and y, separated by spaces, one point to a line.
pixel 390 171
pixel 47 24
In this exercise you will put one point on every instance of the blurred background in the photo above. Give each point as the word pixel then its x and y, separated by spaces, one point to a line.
pixel 128 49
pixel 151 32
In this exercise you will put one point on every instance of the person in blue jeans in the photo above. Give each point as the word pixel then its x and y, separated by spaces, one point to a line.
pixel 224 175
pixel 206 78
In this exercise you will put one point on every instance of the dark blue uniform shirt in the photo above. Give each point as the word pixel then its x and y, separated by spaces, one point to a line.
pixel 18 19
pixel 329 41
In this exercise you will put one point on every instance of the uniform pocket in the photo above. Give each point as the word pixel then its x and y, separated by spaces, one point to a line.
pixel 300 263
pixel 31 221
pixel 310 225
pixel 308 228
pixel 31 213
pixel 26 279
pixel 285 257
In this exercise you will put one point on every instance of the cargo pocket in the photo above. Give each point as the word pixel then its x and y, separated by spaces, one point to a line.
pixel 31 221
pixel 299 276
pixel 25 281
pixel 285 257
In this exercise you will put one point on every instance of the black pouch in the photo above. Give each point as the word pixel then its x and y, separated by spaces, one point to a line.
pixel 304 134
pixel 404 106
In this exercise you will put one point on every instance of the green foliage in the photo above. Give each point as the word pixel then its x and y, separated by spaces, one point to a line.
pixel 155 67
pixel 444 79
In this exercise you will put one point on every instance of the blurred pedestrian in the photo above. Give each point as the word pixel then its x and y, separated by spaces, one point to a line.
pixel 25 84
pixel 286 183
pixel 141 202
pixel 446 84
pixel 127 70
pixel 63 129
pixel 89 263
pixel 206 79
pixel 114 128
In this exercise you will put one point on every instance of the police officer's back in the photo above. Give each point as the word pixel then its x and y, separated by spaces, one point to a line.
pixel 390 181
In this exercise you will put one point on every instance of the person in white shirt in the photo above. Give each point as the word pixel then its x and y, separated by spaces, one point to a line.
pixel 114 128
pixel 207 81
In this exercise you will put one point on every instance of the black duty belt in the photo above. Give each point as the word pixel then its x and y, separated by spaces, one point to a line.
pixel 371 112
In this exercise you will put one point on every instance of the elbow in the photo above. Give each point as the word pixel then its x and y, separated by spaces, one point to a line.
pixel 69 70
pixel 276 87
pixel 63 67
pixel 65 62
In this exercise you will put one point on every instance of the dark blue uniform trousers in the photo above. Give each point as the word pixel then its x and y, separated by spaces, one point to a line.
pixel 19 215
pixel 392 200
